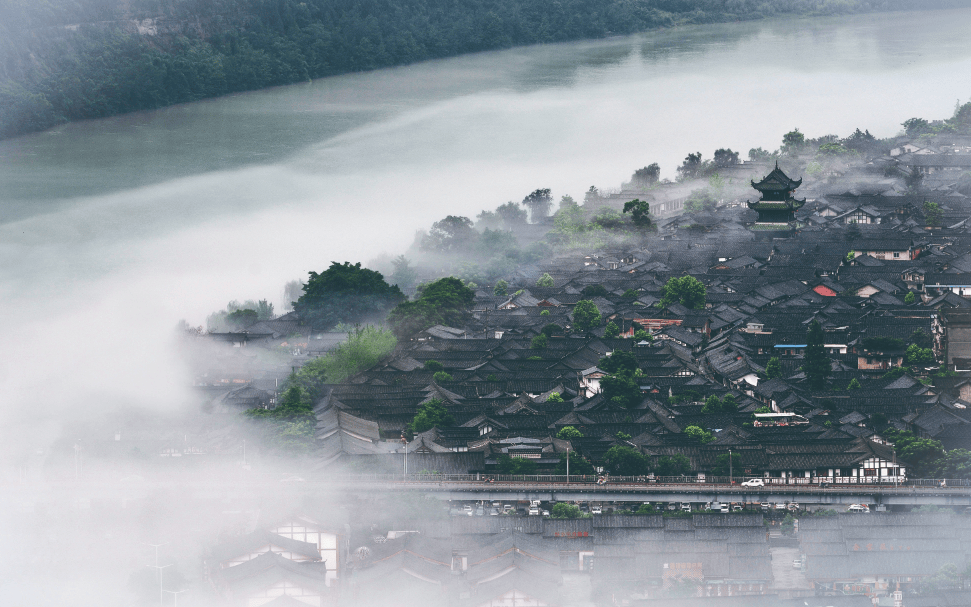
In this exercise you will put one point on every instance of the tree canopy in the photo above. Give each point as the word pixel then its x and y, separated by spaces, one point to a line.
pixel 685 290
pixel 432 414
pixel 626 461
pixel 640 212
pixel 443 302
pixel 345 293
pixel 539 203
pixel 586 315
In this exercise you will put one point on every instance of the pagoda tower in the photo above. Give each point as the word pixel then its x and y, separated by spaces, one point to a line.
pixel 776 207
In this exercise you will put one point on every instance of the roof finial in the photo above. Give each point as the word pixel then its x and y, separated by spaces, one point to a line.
pixel 777 164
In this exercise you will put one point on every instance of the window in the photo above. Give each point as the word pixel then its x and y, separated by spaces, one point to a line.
pixel 896 254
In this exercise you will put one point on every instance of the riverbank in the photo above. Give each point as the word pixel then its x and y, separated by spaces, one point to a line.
pixel 60 66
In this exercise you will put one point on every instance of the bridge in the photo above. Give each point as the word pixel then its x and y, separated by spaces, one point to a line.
pixel 955 493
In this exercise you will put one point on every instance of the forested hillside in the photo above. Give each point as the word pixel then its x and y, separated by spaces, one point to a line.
pixel 63 60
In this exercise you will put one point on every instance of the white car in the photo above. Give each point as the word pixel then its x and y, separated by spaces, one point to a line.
pixel 754 482
pixel 596 509
pixel 797 564
pixel 859 508
pixel 533 511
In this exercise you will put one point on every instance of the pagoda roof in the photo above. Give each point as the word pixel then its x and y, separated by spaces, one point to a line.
pixel 790 204
pixel 777 180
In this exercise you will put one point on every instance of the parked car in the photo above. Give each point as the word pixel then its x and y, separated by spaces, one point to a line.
pixel 765 506
pixel 780 506
pixel 859 508
pixel 797 564
pixel 754 482
pixel 724 509
pixel 596 509
pixel 467 509
pixel 685 506
pixel 793 507
pixel 533 511
pixel 507 508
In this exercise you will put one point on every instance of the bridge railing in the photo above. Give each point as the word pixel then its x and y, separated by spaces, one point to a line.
pixel 736 482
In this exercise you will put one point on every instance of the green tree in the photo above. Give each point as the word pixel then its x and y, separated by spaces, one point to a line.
pixel 539 342
pixel 345 293
pixel 646 176
pixel 545 280
pixel 539 203
pixel 646 508
pixel 713 404
pixel 725 157
pixel 722 467
pixel 501 288
pixel 594 291
pixel 544 313
pixel 630 294
pixel 552 329
pixel 933 214
pixel 578 465
pixel 916 127
pixel 910 298
pixel 696 433
pixel 441 377
pixel 516 465
pixel 773 368
pixel 685 290
pixel 617 362
pixel 433 366
pixel 554 398
pixel 404 275
pixel 364 348
pixel 788 524
pixel 510 216
pixel 443 302
pixel 622 436
pixel 622 389
pixel 729 405
pixel 640 212
pixel 955 463
pixel 642 335
pixel 586 315
pixel 626 461
pixel 921 455
pixel 568 432
pixel 611 331
pixel 816 364
pixel 793 142
pixel 915 355
pixel 564 510
pixel 675 465
pixel 450 235
pixel 854 384
pixel 432 414
pixel 690 167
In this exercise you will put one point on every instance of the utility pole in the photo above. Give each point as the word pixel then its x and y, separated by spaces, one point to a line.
pixel 568 463
pixel 157 567
pixel 175 596
pixel 161 591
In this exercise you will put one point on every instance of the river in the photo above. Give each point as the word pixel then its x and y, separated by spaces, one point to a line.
pixel 112 230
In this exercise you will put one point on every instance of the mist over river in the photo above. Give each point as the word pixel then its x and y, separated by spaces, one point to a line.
pixel 113 230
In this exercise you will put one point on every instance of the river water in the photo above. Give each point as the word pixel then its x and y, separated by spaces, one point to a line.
pixel 112 230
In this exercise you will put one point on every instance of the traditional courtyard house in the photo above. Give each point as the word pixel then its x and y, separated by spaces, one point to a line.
pixel 872 555
pixel 937 284
pixel 888 247
pixel 271 576
pixel 329 542
pixel 952 333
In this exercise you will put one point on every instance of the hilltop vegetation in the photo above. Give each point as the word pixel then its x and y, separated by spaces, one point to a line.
pixel 63 61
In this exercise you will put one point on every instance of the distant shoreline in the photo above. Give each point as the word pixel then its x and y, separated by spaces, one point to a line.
pixel 64 68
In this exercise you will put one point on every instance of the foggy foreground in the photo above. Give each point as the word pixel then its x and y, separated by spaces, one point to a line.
pixel 93 395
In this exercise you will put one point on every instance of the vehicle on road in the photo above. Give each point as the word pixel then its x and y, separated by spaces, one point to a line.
pixel 793 507
pixel 765 506
pixel 685 506
pixel 533 511
pixel 467 509
pixel 724 508
pixel 507 508
pixel 780 506
pixel 754 482
pixel 859 508
pixel 736 507
pixel 596 509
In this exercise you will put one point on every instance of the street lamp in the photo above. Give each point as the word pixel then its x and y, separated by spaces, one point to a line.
pixel 161 592
pixel 730 472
